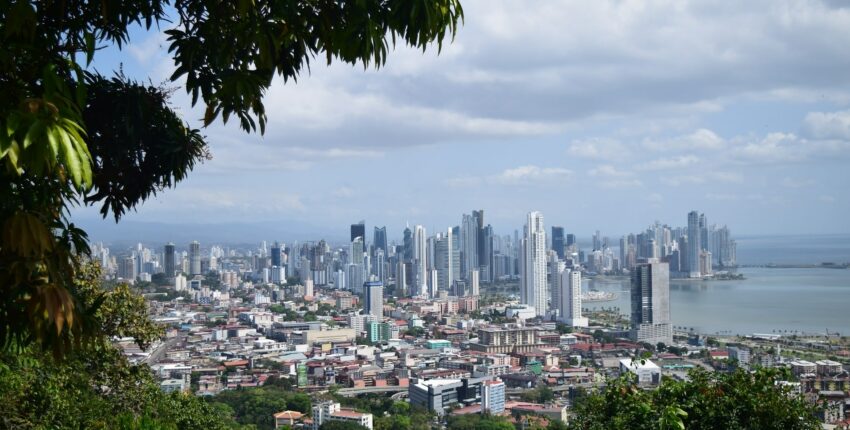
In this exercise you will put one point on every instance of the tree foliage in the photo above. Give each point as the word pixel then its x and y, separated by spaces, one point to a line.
pixel 478 422
pixel 257 405
pixel 71 136
pixel 341 425
pixel 709 400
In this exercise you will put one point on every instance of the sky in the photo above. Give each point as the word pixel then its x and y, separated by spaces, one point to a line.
pixel 603 115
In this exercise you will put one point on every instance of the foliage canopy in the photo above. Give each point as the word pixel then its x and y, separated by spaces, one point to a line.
pixel 708 400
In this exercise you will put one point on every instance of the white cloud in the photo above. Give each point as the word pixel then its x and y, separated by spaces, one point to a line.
pixel 828 125
pixel 654 198
pixel 671 163
pixel 343 192
pixel 531 173
pixel 773 148
pixel 598 149
pixel 794 183
pixel 621 183
pixel 522 175
pixel 330 153
pixel 701 139
pixel 827 199
pixel 607 170
pixel 710 177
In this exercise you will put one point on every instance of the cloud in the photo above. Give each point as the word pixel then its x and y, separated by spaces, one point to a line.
pixel 621 183
pixel 331 153
pixel 828 125
pixel 343 192
pixel 532 173
pixel 796 183
pixel 773 148
pixel 609 171
pixel 151 48
pixel 701 139
pixel 654 198
pixel 827 199
pixel 671 163
pixel 598 149
pixel 522 175
pixel 710 177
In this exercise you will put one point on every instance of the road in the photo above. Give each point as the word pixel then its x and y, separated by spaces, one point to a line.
pixel 157 353
pixel 349 392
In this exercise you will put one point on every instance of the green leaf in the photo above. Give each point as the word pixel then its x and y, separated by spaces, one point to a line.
pixel 90 47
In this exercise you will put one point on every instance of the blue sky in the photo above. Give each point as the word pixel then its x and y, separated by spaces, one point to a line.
pixel 601 114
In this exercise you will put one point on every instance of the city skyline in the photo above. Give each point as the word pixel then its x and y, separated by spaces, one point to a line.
pixel 623 120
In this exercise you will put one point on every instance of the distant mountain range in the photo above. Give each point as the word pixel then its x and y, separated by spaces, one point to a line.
pixel 150 233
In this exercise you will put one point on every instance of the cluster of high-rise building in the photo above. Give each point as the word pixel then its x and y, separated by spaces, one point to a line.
pixel 451 262
pixel 694 251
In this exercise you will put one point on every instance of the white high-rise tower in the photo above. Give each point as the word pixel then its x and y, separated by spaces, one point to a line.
pixel 533 264
pixel 569 285
pixel 420 260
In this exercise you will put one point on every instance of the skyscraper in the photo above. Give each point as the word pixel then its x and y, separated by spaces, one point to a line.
pixel 275 255
pixel 195 258
pixel 447 256
pixel 533 264
pixel 401 279
pixel 358 230
pixel 420 260
pixel 486 255
pixel 468 245
pixel 694 245
pixel 558 241
pixel 379 239
pixel 651 303
pixel 556 266
pixel 375 299
pixel 356 268
pixel 168 256
pixel 569 283
pixel 407 246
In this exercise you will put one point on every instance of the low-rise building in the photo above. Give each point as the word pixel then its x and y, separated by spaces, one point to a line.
pixel 647 372
pixel 803 367
pixel 493 397
pixel 331 411
pixel 828 367
pixel 438 394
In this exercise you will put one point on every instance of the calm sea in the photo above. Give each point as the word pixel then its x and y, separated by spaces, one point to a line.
pixel 768 300
pixel 812 249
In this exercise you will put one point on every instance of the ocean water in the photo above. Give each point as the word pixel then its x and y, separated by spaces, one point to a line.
pixel 768 300
pixel 798 249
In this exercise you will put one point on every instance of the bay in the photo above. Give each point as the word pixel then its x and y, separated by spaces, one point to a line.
pixel 769 300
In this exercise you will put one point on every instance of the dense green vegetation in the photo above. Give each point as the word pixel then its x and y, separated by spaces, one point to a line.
pixel 388 414
pixel 257 405
pixel 478 422
pixel 341 425
pixel 709 400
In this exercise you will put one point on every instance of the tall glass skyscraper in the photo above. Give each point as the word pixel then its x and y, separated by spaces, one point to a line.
pixel 558 241
pixel 651 303
pixel 195 258
pixel 358 230
pixel 169 260
pixel 694 244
